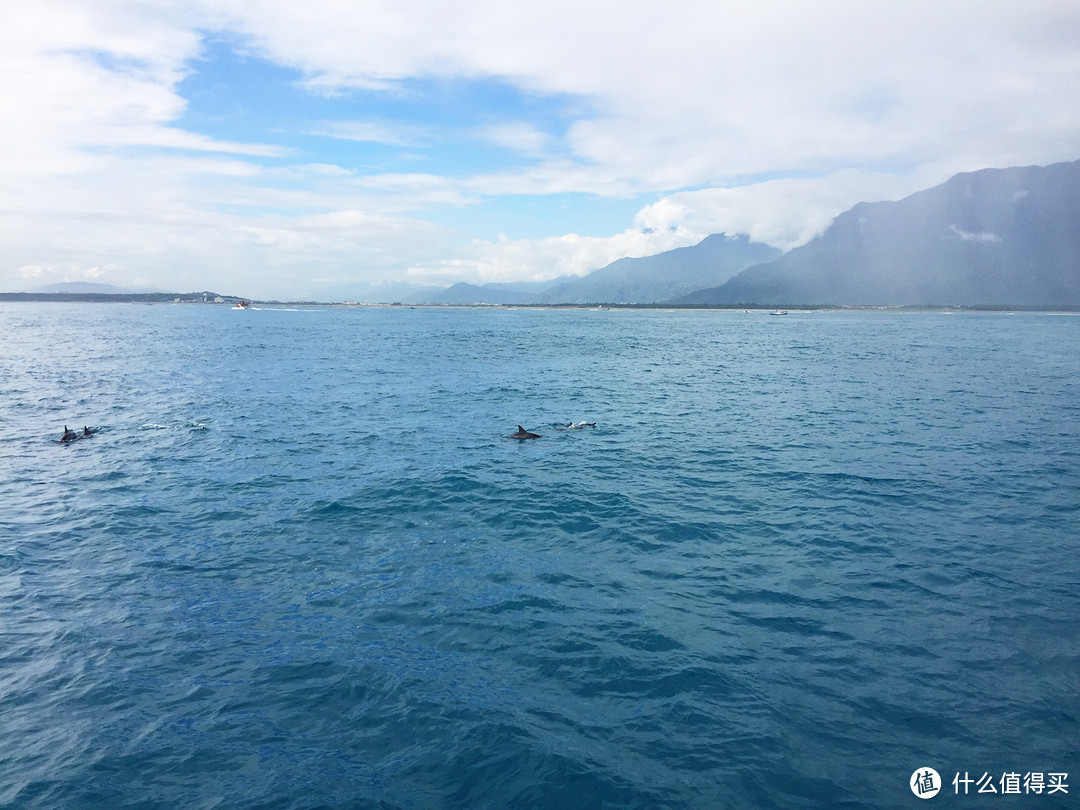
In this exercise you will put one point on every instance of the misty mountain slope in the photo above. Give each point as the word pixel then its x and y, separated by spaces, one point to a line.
pixel 655 279
pixel 996 236
pixel 465 293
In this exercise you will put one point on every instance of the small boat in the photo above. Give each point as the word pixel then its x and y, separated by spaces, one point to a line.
pixel 242 305
pixel 778 312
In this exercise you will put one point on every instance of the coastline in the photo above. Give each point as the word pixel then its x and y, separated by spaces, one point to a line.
pixel 214 299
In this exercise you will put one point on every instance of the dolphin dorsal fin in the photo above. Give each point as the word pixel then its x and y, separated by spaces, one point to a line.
pixel 521 429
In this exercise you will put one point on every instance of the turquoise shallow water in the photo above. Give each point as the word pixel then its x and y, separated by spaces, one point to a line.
pixel 300 566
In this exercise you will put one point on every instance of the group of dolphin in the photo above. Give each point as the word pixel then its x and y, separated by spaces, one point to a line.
pixel 522 433
pixel 71 435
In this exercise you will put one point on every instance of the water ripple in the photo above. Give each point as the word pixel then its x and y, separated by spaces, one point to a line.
pixel 299 564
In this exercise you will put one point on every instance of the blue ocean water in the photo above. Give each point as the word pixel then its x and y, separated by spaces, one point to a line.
pixel 298 565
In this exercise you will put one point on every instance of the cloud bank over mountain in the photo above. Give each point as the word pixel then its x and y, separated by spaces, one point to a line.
pixel 994 237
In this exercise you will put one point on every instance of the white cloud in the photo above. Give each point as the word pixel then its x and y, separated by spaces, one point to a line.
pixel 711 92
pixel 768 118
pixel 77 77
pixel 41 275
pixel 351 234
pixel 382 132
pixel 548 258
pixel 969 236
pixel 519 136
pixel 782 213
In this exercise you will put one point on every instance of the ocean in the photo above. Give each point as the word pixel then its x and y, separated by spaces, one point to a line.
pixel 797 561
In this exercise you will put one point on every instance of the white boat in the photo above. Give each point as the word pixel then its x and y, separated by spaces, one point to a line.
pixel 242 305
pixel 778 312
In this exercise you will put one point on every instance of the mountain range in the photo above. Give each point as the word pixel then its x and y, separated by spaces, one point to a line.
pixel 646 280
pixel 990 237
pixel 994 237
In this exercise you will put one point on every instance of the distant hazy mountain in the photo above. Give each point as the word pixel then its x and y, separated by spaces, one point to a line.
pixel 529 287
pixel 648 280
pixel 997 236
pixel 654 279
pixel 390 292
pixel 463 293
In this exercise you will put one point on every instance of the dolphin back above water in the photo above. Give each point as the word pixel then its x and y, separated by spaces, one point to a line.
pixel 522 433
pixel 72 435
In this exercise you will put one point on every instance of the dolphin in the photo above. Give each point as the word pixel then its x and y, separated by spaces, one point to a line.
pixel 69 435
pixel 580 425
pixel 88 431
pixel 522 433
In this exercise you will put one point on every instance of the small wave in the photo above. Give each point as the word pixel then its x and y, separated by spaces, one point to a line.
pixel 181 425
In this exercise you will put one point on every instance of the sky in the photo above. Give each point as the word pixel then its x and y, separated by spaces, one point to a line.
pixel 337 149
